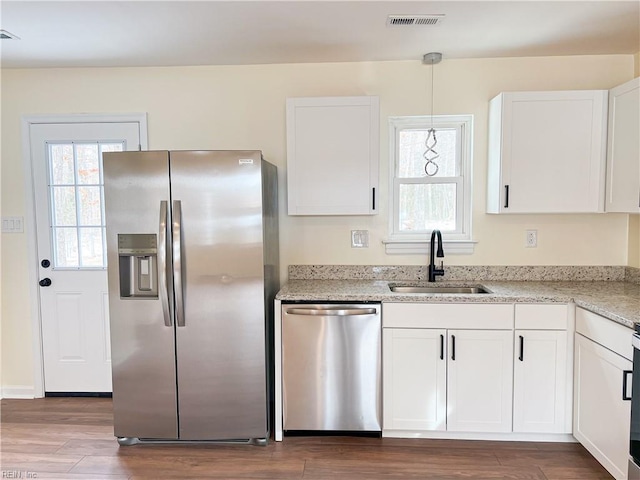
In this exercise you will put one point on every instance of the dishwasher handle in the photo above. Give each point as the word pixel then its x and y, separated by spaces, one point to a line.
pixel 332 312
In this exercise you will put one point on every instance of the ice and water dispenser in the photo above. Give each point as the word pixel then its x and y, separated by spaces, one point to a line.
pixel 138 256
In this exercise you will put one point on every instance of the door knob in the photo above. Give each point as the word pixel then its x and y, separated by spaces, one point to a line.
pixel 45 282
pixel 45 263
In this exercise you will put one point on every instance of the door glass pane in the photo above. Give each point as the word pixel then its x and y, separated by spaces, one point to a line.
pixel 78 204
pixel 91 243
pixel 90 206
pixel 64 206
pixel 62 171
pixel 424 207
pixel 66 247
pixel 411 149
pixel 88 164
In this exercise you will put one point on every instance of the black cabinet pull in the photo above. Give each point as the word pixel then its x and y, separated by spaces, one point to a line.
pixel 521 357
pixel 453 347
pixel 506 196
pixel 374 198
pixel 625 384
pixel 441 347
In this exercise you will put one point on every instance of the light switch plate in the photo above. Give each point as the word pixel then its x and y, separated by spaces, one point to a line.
pixel 359 238
pixel 12 224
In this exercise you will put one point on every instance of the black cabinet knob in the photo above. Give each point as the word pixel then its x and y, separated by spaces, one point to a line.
pixel 45 282
pixel 45 263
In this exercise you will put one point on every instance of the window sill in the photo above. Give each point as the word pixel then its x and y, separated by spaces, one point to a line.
pixel 451 247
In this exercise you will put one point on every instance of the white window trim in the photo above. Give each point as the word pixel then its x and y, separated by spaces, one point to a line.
pixel 418 243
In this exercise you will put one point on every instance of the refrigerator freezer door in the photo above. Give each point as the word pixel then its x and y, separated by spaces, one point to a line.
pixel 142 339
pixel 221 347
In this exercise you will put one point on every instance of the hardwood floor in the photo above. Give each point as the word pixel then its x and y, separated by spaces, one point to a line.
pixel 72 438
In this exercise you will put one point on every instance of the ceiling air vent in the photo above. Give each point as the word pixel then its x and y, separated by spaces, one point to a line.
pixel 4 35
pixel 414 20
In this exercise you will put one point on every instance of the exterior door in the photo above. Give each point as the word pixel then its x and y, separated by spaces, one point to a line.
pixel 68 196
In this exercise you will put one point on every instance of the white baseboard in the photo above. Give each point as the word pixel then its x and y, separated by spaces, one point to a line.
pixel 507 436
pixel 17 391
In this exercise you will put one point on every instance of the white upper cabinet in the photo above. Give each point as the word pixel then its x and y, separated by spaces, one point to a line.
pixel 547 152
pixel 333 155
pixel 623 149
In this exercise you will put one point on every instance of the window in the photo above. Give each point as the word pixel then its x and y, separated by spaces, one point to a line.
pixel 77 208
pixel 421 203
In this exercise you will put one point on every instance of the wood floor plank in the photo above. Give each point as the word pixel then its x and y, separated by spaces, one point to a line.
pixel 581 459
pixel 361 470
pixel 73 476
pixel 72 439
pixel 111 447
pixel 382 454
pixel 16 445
pixel 576 473
pixel 37 462
pixel 160 466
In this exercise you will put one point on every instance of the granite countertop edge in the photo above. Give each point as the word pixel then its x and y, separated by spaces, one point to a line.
pixel 617 301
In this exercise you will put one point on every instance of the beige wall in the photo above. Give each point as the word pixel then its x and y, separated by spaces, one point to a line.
pixel 243 107
pixel 634 220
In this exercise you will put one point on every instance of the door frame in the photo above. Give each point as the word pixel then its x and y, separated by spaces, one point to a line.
pixel 30 217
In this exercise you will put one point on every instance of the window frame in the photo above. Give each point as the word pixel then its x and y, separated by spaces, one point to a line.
pixel 76 185
pixel 459 241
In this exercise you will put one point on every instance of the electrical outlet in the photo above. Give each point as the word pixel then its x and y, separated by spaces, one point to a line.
pixel 359 238
pixel 531 239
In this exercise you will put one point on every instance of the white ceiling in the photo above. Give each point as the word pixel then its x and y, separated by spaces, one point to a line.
pixel 151 33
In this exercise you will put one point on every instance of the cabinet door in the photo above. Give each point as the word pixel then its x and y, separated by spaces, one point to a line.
pixel 549 155
pixel 601 420
pixel 540 374
pixel 414 379
pixel 480 380
pixel 623 149
pixel 332 155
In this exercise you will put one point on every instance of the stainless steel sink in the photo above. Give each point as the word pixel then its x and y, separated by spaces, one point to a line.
pixel 434 289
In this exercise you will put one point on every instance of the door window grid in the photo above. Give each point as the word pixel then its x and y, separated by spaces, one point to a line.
pixel 76 189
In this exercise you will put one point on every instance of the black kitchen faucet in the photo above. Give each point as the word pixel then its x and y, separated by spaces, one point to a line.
pixel 433 271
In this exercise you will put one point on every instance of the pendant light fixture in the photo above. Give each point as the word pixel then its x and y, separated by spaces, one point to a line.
pixel 430 154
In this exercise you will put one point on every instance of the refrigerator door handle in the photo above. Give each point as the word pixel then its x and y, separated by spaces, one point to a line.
pixel 177 262
pixel 162 257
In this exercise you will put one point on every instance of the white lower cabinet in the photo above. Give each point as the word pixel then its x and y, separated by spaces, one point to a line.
pixel 540 382
pixel 479 383
pixel 415 379
pixel 601 416
pixel 477 370
pixel 542 369
pixel 447 379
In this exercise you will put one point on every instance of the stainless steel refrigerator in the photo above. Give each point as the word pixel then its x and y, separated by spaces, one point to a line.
pixel 192 245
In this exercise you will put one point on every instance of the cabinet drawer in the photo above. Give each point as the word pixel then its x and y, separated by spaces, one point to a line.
pixel 541 316
pixel 606 332
pixel 461 316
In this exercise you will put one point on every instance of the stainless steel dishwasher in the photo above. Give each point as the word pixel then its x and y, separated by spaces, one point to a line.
pixel 331 367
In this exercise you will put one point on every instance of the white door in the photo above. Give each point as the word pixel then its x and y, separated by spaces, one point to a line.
pixel 414 379
pixel 480 380
pixel 540 376
pixel 601 418
pixel 66 163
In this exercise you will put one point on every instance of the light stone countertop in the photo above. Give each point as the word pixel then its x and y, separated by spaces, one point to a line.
pixel 615 300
